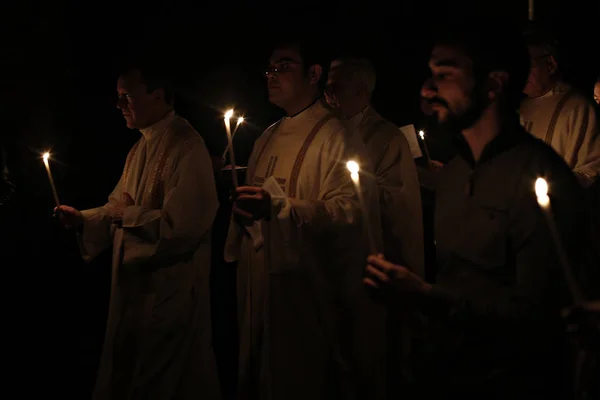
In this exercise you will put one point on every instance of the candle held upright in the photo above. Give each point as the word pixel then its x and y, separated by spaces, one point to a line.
pixel 354 169
pixel 239 122
pixel 422 136
pixel 541 192
pixel 228 116
pixel 46 158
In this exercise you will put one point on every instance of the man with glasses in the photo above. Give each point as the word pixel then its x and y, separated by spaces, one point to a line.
pixel 556 113
pixel 307 328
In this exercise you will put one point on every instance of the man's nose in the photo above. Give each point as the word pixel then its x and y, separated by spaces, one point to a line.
pixel 328 91
pixel 120 103
pixel 428 90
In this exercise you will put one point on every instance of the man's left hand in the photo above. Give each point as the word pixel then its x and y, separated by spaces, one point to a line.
pixel 252 203
pixel 393 281
pixel 119 208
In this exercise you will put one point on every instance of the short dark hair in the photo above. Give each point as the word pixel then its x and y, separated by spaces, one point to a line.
pixel 493 44
pixel 152 75
pixel 310 52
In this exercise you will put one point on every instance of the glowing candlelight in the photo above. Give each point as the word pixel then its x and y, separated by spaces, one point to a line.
pixel 354 175
pixel 46 157
pixel 228 116
pixel 422 136
pixel 239 122
pixel 541 191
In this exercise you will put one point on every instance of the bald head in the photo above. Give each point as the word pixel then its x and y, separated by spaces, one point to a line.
pixel 359 70
pixel 350 84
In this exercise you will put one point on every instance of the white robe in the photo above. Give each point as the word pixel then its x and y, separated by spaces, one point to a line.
pixel 308 329
pixel 401 222
pixel 399 190
pixel 576 134
pixel 158 337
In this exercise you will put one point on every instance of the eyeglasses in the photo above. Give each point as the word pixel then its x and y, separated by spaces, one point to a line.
pixel 280 68
pixel 124 97
pixel 541 56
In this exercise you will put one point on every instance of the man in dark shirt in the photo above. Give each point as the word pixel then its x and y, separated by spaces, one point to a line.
pixel 493 325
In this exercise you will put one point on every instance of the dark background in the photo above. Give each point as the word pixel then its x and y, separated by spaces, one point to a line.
pixel 59 66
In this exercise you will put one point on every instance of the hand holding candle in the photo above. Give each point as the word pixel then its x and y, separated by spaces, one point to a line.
pixel 541 191
pixel 354 174
pixel 46 157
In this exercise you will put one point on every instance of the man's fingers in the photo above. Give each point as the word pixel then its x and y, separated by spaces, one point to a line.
pixel 238 211
pixel 370 282
pixel 374 273
pixel 246 196
pixel 248 190
pixel 379 262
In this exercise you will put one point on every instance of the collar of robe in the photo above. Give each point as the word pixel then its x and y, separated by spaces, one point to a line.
pixel 299 113
pixel 358 119
pixel 159 127
pixel 511 134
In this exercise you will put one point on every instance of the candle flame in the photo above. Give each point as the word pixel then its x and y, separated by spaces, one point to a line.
pixel 422 134
pixel 352 167
pixel 240 120
pixel 46 156
pixel 229 114
pixel 541 191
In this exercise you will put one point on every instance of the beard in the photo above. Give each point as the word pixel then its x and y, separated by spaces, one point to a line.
pixel 456 122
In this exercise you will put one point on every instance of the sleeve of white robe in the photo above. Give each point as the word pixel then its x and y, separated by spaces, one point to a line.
pixel 584 144
pixel 96 233
pixel 190 206
pixel 337 203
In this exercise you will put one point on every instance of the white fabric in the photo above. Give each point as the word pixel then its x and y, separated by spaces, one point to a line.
pixel 158 342
pixel 307 326
pixel 576 134
pixel 399 190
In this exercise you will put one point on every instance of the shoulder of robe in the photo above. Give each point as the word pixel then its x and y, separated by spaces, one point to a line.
pixel 336 129
pixel 387 131
pixel 579 101
pixel 184 132
pixel 185 138
pixel 263 136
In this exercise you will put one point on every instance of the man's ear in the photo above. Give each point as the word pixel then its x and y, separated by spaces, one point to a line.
pixel 496 84
pixel 314 73
pixel 159 94
pixel 551 64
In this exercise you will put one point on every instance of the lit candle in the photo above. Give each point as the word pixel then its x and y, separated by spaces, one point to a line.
pixel 46 157
pixel 239 122
pixel 354 174
pixel 422 136
pixel 228 116
pixel 541 191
